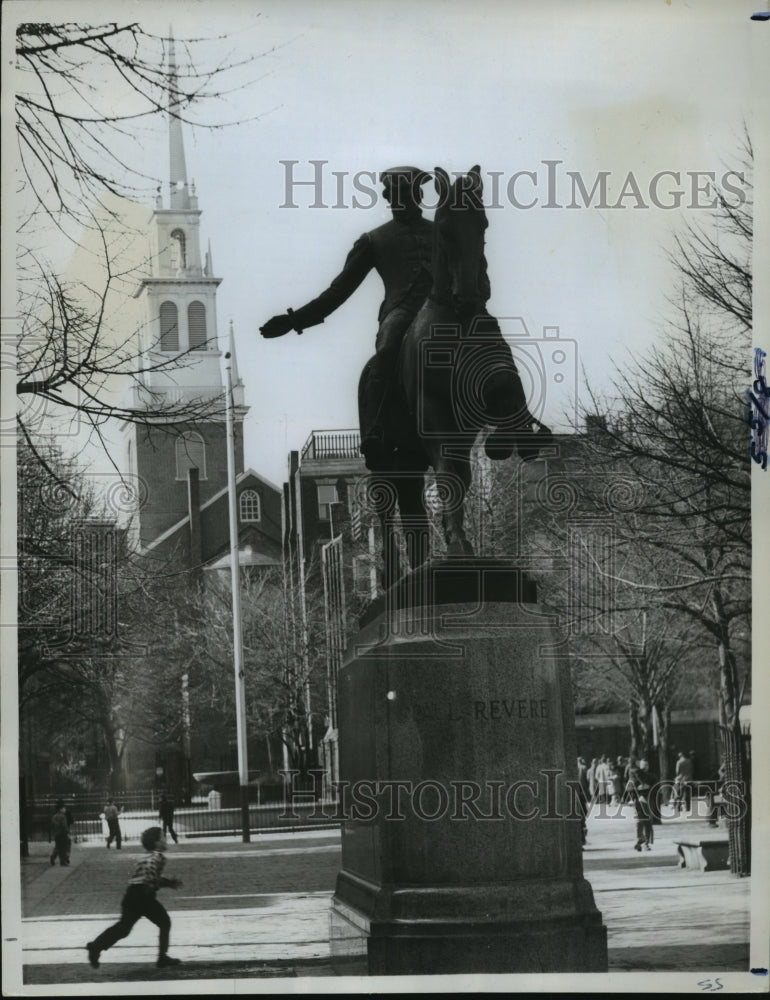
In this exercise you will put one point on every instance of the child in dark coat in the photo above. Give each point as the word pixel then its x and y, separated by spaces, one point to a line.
pixel 140 901
pixel 644 834
pixel 60 830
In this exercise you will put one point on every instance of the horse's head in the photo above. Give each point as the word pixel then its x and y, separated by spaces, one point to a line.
pixel 460 270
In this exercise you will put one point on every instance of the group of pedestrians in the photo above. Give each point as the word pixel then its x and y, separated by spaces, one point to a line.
pixel 622 781
pixel 609 781
pixel 112 817
pixel 625 780
pixel 62 823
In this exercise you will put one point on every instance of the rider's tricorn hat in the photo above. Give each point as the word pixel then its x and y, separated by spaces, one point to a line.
pixel 410 175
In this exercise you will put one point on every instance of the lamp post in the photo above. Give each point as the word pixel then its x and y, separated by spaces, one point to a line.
pixel 235 581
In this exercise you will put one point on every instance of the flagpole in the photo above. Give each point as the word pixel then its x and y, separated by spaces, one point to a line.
pixel 235 582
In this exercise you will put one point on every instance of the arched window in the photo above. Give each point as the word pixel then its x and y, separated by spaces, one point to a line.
pixel 169 327
pixel 249 505
pixel 196 324
pixel 190 454
pixel 178 250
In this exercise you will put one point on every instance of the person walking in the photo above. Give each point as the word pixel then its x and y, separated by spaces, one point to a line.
pixel 113 826
pixel 591 775
pixel 621 767
pixel 582 791
pixel 166 813
pixel 630 778
pixel 616 780
pixel 644 832
pixel 683 775
pixel 140 900
pixel 603 780
pixel 60 830
pixel 583 775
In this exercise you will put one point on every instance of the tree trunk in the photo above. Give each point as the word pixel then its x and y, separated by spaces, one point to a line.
pixel 114 756
pixel 664 721
pixel 734 751
pixel 635 749
pixel 729 688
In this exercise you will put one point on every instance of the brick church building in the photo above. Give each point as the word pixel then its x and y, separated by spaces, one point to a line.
pixel 177 456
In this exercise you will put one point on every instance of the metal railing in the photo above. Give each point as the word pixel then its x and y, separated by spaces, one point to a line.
pixel 197 821
pixel 332 444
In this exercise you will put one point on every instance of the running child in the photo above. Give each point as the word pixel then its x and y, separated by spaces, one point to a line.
pixel 140 901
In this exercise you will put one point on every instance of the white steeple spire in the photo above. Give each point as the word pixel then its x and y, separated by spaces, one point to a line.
pixel 179 195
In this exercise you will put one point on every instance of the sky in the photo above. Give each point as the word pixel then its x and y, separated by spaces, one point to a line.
pixel 604 86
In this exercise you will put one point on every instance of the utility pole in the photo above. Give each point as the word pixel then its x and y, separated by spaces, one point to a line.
pixel 235 581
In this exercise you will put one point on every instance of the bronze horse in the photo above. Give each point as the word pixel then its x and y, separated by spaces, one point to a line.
pixel 456 378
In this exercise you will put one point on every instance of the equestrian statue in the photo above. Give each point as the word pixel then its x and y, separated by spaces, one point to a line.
pixel 442 372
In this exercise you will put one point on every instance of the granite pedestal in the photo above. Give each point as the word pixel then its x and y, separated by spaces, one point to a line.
pixel 461 843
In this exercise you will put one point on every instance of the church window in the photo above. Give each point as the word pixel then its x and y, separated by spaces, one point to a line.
pixel 249 505
pixel 178 251
pixel 169 327
pixel 327 495
pixel 196 323
pixel 190 454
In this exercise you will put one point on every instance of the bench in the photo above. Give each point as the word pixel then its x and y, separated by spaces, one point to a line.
pixel 708 854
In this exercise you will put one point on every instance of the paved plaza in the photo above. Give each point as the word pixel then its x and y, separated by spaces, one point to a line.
pixel 262 909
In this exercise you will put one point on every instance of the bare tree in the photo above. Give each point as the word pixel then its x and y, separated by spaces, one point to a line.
pixel 85 89
pixel 277 679
pixel 84 93
pixel 69 651
pixel 677 424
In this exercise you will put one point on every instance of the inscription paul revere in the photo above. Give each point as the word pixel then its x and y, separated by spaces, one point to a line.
pixel 490 710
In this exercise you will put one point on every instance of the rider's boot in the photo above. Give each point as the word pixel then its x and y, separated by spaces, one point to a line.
pixel 373 434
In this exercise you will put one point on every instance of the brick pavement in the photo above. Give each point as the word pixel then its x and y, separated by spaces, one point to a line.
pixel 261 909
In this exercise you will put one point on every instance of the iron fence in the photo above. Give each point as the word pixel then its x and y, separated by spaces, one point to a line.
pixel 196 821
pixel 736 755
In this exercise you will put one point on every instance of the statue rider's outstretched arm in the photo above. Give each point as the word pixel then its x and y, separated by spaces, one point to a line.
pixel 358 264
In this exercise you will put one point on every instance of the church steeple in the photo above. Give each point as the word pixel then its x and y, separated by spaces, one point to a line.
pixel 179 196
pixel 181 351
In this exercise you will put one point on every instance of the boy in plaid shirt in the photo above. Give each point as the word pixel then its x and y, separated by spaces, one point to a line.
pixel 140 901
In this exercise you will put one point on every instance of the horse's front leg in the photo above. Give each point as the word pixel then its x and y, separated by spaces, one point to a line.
pixel 453 477
pixel 414 519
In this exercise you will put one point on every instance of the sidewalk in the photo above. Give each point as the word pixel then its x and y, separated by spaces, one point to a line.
pixel 262 909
